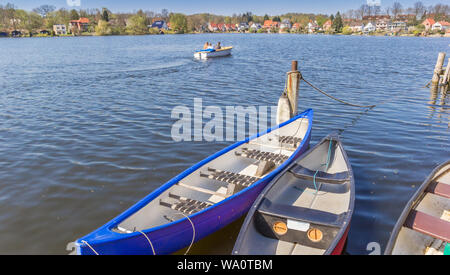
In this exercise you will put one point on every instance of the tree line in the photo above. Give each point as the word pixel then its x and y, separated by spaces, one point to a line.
pixel 104 22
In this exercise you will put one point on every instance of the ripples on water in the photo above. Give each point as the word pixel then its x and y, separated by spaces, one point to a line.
pixel 85 123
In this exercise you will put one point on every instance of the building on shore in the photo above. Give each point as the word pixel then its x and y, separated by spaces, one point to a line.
pixel 159 24
pixel 269 24
pixel 428 23
pixel 80 25
pixel 60 29
pixel 286 24
pixel 255 27
pixel 382 24
pixel 441 26
pixel 357 26
pixel 312 26
pixel 327 25
pixel 397 26
pixel 369 28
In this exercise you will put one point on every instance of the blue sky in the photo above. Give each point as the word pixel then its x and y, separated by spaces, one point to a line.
pixel 223 7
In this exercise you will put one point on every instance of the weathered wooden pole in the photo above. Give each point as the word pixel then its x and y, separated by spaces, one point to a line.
pixel 288 102
pixel 438 69
pixel 293 83
pixel 446 78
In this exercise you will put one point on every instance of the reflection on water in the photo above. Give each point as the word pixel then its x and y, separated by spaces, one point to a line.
pixel 438 100
pixel 86 123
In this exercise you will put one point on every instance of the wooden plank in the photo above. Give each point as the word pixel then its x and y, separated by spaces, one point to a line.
pixel 202 190
pixel 429 225
pixel 440 189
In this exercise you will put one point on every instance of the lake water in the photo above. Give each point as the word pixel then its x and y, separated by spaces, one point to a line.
pixel 86 123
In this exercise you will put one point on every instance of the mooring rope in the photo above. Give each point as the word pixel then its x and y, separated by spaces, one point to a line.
pixel 337 99
pixel 148 239
pixel 86 243
pixel 193 232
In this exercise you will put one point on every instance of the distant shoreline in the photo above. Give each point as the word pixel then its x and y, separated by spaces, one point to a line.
pixel 217 33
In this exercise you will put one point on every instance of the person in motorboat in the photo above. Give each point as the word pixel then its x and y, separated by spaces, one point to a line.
pixel 218 46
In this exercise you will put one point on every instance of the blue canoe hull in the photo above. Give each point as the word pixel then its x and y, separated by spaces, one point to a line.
pixel 174 236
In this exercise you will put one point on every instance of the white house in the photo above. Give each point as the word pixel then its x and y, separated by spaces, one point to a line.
pixel 285 24
pixel 369 28
pixel 60 29
pixel 440 26
pixel 398 26
pixel 255 26
pixel 312 26
pixel 357 27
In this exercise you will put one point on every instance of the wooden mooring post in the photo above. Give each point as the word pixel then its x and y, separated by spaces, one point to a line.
pixel 446 77
pixel 288 102
pixel 438 69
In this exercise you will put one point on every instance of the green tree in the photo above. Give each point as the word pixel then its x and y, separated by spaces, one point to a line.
pixel 33 22
pixel 74 15
pixel 178 22
pixel 347 30
pixel 105 15
pixel 337 23
pixel 137 25
pixel 103 28
pixel 266 17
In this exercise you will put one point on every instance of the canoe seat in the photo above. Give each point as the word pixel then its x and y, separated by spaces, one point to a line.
pixel 262 156
pixel 301 214
pixel 429 225
pixel 440 189
pixel 290 141
pixel 185 205
pixel 229 177
pixel 305 173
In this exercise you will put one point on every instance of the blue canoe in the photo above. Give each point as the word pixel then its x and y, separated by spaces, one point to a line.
pixel 204 198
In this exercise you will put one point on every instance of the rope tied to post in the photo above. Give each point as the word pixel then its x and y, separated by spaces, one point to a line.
pixel 334 98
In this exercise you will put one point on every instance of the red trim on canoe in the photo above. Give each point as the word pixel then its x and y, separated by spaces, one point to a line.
pixel 440 189
pixel 429 225
pixel 340 246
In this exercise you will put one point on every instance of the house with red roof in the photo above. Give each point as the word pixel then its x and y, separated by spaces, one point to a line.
pixel 440 26
pixel 428 23
pixel 268 24
pixel 213 27
pixel 327 25
pixel 296 26
pixel 81 25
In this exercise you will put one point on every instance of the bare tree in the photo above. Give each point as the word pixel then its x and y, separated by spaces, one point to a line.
pixel 419 9
pixel 44 10
pixel 397 9
pixel 362 11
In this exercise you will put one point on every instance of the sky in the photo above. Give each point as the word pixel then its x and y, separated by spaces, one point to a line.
pixel 220 7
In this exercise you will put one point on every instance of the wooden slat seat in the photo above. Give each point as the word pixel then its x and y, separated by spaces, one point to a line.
pixel 290 140
pixel 185 205
pixel 440 189
pixel 302 214
pixel 429 225
pixel 230 177
pixel 262 156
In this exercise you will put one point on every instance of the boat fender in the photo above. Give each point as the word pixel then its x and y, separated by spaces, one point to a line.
pixel 284 112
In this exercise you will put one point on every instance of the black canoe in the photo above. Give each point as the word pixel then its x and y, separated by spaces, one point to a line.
pixel 424 225
pixel 306 209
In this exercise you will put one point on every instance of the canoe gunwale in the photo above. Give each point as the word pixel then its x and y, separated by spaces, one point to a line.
pixel 98 236
pixel 412 204
pixel 343 230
